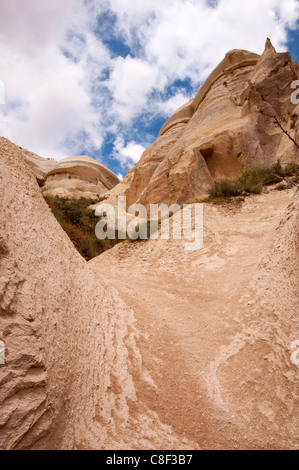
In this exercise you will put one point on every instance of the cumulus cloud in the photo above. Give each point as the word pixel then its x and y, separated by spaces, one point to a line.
pixel 127 154
pixel 79 70
pixel 131 82
pixel 48 78
pixel 167 108
pixel 188 38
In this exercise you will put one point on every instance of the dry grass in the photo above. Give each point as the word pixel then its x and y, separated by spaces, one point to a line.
pixel 251 182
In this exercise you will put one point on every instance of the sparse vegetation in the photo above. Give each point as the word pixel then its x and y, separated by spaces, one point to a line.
pixel 236 201
pixel 79 223
pixel 252 182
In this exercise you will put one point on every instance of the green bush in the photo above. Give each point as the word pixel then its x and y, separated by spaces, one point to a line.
pixel 291 169
pixel 225 189
pixel 79 223
pixel 253 181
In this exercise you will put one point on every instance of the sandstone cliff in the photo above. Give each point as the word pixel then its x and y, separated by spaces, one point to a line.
pixel 81 176
pixel 221 132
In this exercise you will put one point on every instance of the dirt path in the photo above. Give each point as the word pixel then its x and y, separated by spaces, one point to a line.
pixel 187 308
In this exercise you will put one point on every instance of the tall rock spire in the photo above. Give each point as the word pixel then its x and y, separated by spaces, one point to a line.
pixel 269 48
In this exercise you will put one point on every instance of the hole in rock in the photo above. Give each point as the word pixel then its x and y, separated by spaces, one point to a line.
pixel 210 158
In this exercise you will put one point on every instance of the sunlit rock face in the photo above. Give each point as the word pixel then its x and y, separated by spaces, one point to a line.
pixel 76 177
pixel 225 129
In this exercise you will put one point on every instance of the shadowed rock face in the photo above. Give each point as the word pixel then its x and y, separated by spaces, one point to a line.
pixel 222 131
pixel 79 177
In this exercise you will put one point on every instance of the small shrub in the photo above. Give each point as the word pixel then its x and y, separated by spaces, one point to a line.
pixel 79 223
pixel 225 189
pixel 253 181
pixel 291 169
pixel 248 183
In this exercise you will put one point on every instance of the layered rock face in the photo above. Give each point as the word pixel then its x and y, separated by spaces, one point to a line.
pixel 72 177
pixel 227 128
pixel 76 177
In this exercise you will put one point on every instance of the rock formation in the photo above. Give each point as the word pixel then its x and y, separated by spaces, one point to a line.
pixel 38 165
pixel 79 177
pixel 72 177
pixel 221 132
pixel 70 342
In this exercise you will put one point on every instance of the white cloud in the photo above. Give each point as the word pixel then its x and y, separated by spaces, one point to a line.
pixel 127 154
pixel 120 176
pixel 65 90
pixel 187 37
pixel 48 96
pixel 167 108
pixel 131 81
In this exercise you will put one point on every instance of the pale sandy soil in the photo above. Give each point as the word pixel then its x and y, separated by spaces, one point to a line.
pixel 210 357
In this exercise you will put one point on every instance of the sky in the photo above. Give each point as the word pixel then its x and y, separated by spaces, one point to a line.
pixel 100 77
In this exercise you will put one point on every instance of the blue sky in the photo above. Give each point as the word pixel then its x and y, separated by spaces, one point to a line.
pixel 101 77
pixel 293 44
